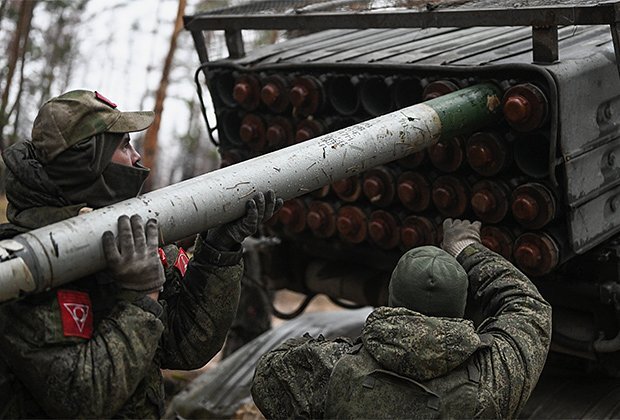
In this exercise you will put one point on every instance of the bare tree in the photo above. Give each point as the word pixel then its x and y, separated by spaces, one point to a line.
pixel 16 50
pixel 16 109
pixel 3 4
pixel 150 138
pixel 60 41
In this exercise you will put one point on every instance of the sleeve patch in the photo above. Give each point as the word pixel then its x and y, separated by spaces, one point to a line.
pixel 76 313
pixel 162 257
pixel 181 262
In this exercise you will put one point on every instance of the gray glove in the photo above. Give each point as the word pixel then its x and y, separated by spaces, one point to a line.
pixel 458 234
pixel 134 261
pixel 259 209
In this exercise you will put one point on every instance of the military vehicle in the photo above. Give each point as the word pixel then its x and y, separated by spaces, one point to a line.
pixel 544 180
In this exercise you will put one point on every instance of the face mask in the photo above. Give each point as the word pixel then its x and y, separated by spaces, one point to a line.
pixel 85 174
pixel 120 182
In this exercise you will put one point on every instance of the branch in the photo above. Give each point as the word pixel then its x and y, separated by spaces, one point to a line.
pixel 150 138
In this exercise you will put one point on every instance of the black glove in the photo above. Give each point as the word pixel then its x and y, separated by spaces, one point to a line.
pixel 458 234
pixel 134 261
pixel 259 209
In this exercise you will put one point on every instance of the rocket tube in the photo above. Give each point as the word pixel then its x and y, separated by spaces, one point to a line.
pixel 71 249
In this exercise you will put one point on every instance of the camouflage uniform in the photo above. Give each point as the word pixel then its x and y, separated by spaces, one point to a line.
pixel 112 370
pixel 116 373
pixel 411 365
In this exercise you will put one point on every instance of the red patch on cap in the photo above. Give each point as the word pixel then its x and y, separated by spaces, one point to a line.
pixel 181 262
pixel 105 100
pixel 76 313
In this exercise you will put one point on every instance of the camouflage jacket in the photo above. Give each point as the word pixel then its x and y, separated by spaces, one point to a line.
pixel 503 356
pixel 88 349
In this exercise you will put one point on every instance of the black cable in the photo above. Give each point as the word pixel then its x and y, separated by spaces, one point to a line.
pixel 202 104
pixel 344 304
pixel 296 312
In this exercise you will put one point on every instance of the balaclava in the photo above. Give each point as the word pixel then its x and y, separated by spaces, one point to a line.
pixel 74 136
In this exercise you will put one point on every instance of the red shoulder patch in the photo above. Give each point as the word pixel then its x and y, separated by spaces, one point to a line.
pixel 181 262
pixel 76 313
pixel 162 257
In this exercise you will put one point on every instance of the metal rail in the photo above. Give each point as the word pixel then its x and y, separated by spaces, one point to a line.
pixel 529 16
pixel 543 20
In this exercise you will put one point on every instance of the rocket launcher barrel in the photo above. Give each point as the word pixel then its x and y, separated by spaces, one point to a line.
pixel 68 250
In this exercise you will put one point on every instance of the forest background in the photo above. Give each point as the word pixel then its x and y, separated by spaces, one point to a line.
pixel 135 52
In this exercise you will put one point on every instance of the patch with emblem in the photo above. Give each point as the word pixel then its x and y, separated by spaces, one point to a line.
pixel 76 313
pixel 162 257
pixel 181 262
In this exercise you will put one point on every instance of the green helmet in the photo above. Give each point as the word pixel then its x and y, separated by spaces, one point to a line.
pixel 430 281
pixel 77 115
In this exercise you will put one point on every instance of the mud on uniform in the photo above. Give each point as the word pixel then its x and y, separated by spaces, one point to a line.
pixel 406 364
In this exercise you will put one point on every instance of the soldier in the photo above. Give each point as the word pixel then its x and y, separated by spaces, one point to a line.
pixel 94 347
pixel 418 357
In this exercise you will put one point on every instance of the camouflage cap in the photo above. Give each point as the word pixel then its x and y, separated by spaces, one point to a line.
pixel 77 115
pixel 430 281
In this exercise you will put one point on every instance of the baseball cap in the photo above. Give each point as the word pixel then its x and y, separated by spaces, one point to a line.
pixel 77 115
pixel 430 281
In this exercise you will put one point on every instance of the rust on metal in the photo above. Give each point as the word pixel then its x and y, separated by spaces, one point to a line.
pixel 489 200
pixel 378 186
pixel 533 205
pixel 447 155
pixel 414 191
pixel 383 229
pixel 252 132
pixel 352 224
pixel 450 196
pixel 321 219
pixel 525 107
pixel 438 88
pixel 487 153
pixel 246 91
pixel 348 189
pixel 498 239
pixel 536 253
pixel 417 231
pixel 293 215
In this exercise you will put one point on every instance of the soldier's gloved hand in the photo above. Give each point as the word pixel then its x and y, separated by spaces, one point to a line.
pixel 134 261
pixel 259 209
pixel 458 234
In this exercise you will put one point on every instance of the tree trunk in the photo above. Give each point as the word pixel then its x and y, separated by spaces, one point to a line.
pixel 53 56
pixel 150 138
pixel 16 47
pixel 17 104
pixel 3 4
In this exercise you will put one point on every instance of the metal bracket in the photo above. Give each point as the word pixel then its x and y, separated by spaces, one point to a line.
pixel 615 33
pixel 234 43
pixel 545 44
